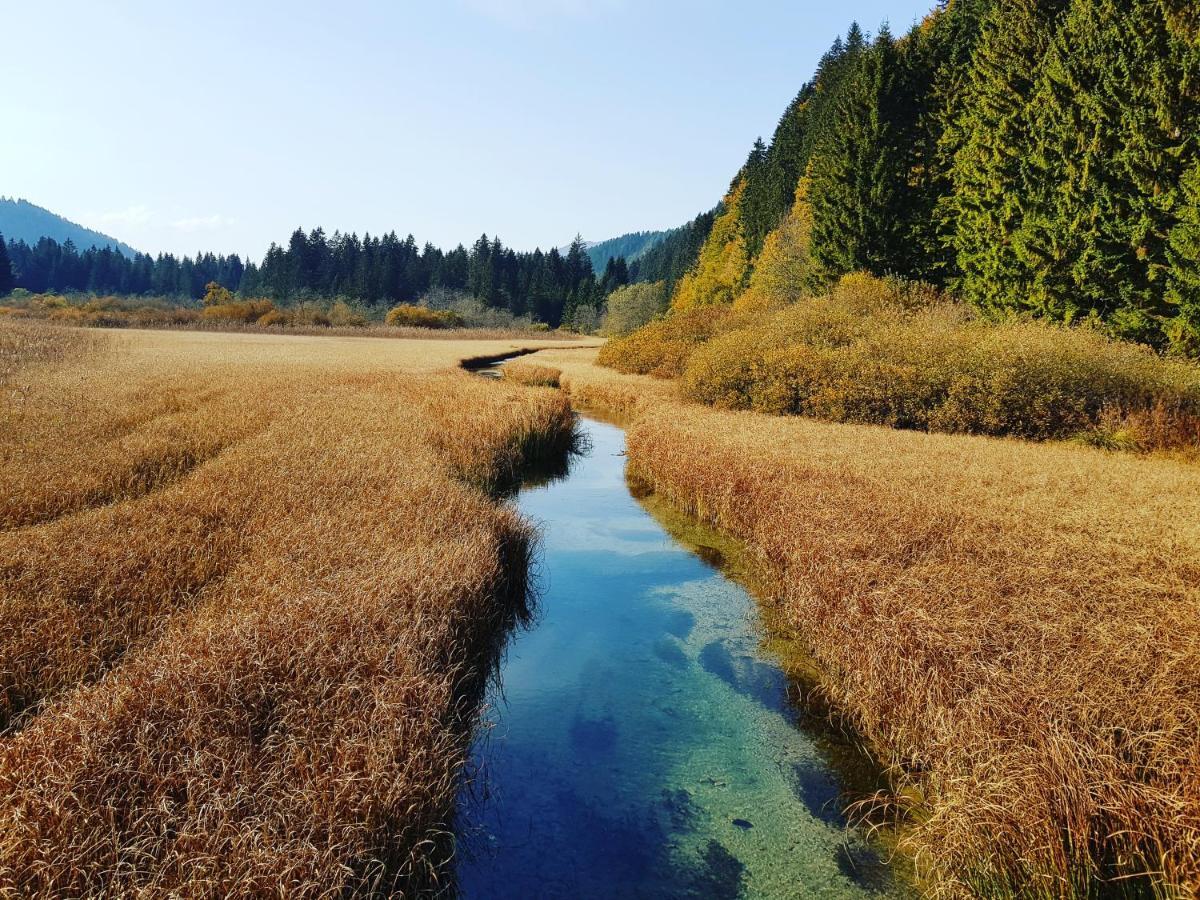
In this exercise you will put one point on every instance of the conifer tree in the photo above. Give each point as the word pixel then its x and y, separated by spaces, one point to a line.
pixel 1183 288
pixel 759 212
pixel 1115 130
pixel 7 277
pixel 859 174
pixel 936 57
pixel 992 184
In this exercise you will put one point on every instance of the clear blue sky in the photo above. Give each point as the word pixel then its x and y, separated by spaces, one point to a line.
pixel 223 125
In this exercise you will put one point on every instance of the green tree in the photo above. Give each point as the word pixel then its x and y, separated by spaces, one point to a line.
pixel 936 57
pixel 1183 290
pixel 630 307
pixel 991 140
pixel 759 213
pixel 1115 130
pixel 859 174
pixel 7 277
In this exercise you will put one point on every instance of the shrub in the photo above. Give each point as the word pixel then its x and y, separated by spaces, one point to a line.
pixel 472 313
pixel 246 312
pixel 273 317
pixel 629 308
pixel 663 348
pixel 343 315
pixel 890 353
pixel 407 315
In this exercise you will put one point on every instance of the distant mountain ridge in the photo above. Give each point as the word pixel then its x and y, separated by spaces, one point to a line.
pixel 21 220
pixel 632 246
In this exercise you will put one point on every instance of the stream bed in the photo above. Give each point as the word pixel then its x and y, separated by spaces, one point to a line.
pixel 641 741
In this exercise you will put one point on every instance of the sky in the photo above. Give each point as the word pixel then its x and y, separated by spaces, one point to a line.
pixel 224 125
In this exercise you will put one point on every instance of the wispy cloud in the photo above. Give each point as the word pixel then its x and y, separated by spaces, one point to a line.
pixel 130 216
pixel 528 12
pixel 214 222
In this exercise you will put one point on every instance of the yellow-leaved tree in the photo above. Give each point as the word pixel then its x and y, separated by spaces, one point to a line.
pixel 721 272
pixel 782 271
pixel 216 295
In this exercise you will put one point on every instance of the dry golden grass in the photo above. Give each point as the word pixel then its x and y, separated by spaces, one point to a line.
pixel 25 345
pixel 1015 627
pixel 258 677
pixel 532 374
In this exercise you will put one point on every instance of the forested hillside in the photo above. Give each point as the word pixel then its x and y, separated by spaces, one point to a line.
pixel 630 247
pixel 1034 157
pixel 21 220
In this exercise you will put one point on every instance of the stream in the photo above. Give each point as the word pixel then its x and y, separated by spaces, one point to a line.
pixel 642 741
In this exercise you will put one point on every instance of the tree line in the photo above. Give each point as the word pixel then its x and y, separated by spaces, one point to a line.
pixel 1037 157
pixel 551 287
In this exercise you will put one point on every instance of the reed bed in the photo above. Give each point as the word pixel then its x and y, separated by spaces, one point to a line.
pixel 532 374
pixel 260 678
pixel 1014 627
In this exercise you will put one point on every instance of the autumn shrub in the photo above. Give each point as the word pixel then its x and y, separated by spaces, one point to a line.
pixel 246 312
pixel 898 354
pixel 632 306
pixel 343 315
pixel 273 318
pixel 664 347
pixel 406 315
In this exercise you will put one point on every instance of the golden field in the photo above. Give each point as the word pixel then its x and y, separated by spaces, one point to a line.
pixel 1013 627
pixel 251 589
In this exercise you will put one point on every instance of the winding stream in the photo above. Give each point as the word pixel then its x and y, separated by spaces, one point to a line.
pixel 643 743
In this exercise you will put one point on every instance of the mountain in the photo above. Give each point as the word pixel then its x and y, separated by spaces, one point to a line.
pixel 631 246
pixel 21 220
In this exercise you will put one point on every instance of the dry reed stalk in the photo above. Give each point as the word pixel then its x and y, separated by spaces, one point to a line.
pixel 532 375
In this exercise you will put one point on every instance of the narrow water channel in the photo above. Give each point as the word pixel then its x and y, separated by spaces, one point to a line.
pixel 642 742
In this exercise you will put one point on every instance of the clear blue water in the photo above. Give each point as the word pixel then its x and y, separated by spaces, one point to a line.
pixel 642 743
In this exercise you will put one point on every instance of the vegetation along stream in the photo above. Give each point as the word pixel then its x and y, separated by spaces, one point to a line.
pixel 643 742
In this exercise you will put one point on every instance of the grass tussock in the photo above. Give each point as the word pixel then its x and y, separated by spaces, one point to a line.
pixel 896 354
pixel 260 678
pixel 532 374
pixel 1012 626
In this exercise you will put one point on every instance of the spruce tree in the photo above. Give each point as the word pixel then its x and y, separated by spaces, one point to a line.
pixel 859 175
pixel 7 278
pixel 937 57
pixel 1183 287
pixel 1115 131
pixel 991 138
pixel 759 210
